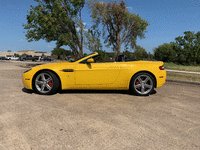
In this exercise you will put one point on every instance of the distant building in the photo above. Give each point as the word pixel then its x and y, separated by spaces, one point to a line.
pixel 40 52
pixel 28 52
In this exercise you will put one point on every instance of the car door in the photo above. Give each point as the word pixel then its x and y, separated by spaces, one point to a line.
pixel 96 73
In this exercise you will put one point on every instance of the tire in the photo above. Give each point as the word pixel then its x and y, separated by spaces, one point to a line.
pixel 142 84
pixel 46 83
pixel 23 59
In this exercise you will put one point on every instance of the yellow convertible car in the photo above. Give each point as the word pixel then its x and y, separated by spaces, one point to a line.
pixel 140 77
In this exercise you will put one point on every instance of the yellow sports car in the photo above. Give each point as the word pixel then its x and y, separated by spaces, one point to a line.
pixel 141 77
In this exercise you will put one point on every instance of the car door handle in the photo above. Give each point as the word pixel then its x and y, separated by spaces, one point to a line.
pixel 68 70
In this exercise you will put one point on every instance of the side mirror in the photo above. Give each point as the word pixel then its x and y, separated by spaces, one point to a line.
pixel 91 60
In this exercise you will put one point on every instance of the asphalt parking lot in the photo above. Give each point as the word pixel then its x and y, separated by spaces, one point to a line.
pixel 97 120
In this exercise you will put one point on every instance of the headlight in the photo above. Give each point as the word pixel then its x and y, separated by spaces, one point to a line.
pixel 27 70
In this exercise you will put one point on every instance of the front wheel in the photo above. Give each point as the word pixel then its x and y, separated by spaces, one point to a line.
pixel 142 84
pixel 46 83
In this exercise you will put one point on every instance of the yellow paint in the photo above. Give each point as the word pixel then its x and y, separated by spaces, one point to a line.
pixel 112 75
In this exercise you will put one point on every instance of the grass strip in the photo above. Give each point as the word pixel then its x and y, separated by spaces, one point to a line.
pixel 173 66
pixel 183 76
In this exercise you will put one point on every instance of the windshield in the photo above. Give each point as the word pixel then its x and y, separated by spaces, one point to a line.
pixel 73 60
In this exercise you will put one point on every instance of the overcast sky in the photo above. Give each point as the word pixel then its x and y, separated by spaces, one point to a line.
pixel 168 19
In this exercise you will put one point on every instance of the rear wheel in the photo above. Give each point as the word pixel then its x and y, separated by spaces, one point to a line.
pixel 142 84
pixel 46 83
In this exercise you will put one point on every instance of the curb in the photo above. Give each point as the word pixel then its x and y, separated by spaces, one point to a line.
pixel 179 71
pixel 181 81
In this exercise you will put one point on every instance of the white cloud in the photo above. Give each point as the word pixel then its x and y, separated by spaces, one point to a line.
pixel 78 29
pixel 84 23
pixel 49 46
pixel 130 8
pixel 21 40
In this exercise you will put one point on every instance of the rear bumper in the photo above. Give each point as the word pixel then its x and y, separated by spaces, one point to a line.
pixel 161 78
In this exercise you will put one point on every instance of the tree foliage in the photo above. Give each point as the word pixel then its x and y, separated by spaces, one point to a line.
pixel 185 50
pixel 61 52
pixel 102 57
pixel 189 47
pixel 16 55
pixel 54 20
pixel 128 54
pixel 165 52
pixel 140 52
pixel 92 41
pixel 119 25
pixel 24 54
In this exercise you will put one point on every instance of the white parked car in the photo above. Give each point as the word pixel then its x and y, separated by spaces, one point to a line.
pixel 13 58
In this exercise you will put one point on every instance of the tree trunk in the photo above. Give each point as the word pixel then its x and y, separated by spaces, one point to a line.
pixel 81 48
pixel 118 49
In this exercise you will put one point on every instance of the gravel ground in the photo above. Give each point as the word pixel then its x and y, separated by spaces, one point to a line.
pixel 96 120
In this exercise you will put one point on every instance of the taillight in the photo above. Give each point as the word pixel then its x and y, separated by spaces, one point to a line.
pixel 161 68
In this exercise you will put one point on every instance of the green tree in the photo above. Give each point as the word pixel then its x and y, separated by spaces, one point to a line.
pixel 16 55
pixel 197 48
pixel 8 50
pixel 24 54
pixel 166 52
pixel 119 25
pixel 92 41
pixel 110 56
pixel 102 57
pixel 150 56
pixel 140 52
pixel 54 20
pixel 128 54
pixel 189 46
pixel 81 29
pixel 60 52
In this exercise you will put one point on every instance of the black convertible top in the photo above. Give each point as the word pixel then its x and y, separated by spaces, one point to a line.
pixel 123 58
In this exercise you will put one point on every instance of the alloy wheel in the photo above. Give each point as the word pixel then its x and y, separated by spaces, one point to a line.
pixel 143 84
pixel 44 83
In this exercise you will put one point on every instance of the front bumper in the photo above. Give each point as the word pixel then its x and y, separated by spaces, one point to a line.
pixel 27 80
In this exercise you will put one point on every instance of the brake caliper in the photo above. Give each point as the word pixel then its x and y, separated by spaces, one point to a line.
pixel 137 83
pixel 50 83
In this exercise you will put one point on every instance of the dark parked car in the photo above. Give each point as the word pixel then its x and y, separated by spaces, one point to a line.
pixel 28 57
pixel 46 59
pixel 3 58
